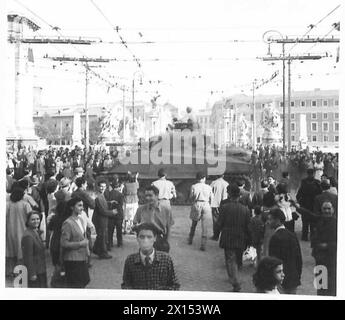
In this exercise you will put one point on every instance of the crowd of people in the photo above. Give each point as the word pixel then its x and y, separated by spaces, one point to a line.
pixel 55 202
pixel 271 160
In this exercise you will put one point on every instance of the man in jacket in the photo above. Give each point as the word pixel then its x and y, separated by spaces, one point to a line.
pixel 81 193
pixel 284 245
pixel 233 223
pixel 149 269
pixel 309 189
pixel 324 244
pixel 326 195
pixel 100 220
pixel 244 194
pixel 259 195
pixel 116 199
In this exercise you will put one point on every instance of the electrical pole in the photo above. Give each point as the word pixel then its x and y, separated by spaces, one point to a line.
pixel 123 114
pixel 254 118
pixel 289 59
pixel 85 61
pixel 284 119
pixel 87 125
pixel 285 40
pixel 289 105
pixel 133 103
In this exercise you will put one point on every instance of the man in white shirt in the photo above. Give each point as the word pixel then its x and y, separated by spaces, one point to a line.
pixel 201 195
pixel 166 188
pixel 219 193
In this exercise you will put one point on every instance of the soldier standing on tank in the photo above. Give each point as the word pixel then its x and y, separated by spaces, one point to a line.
pixel 201 195
pixel 166 188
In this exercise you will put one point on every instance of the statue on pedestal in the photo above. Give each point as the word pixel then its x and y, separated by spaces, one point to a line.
pixel 243 130
pixel 110 127
pixel 272 125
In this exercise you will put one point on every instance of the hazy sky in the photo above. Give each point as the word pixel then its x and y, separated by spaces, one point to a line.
pixel 203 46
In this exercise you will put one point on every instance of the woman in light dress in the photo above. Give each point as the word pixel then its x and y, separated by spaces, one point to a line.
pixel 318 168
pixel 17 210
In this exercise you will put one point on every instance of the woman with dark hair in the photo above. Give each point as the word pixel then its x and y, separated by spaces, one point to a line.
pixel 283 200
pixel 17 210
pixel 130 192
pixel 269 275
pixel 34 252
pixel 74 245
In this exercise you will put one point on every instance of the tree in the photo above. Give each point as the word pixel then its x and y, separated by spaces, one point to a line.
pixel 47 128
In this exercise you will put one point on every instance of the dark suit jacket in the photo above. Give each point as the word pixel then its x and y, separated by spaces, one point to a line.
pixel 119 198
pixel 245 198
pixel 97 168
pixel 76 165
pixel 101 213
pixel 50 164
pixel 233 223
pixel 307 192
pixel 284 245
pixel 33 253
pixel 321 198
pixel 87 200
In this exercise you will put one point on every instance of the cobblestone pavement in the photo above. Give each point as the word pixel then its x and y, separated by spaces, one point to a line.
pixel 196 270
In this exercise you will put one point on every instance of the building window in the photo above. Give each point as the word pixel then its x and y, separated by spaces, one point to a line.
pixel 336 126
pixel 336 115
pixel 251 117
pixel 281 104
pixel 325 126
pixel 292 103
pixel 325 103
pixel 314 126
pixel 314 138
pixel 292 116
pixel 336 138
pixel 325 138
pixel 302 103
pixel 314 116
pixel 313 103
pixel 55 125
pixel 336 102
pixel 67 125
pixel 293 126
pixel 293 138
pixel 325 116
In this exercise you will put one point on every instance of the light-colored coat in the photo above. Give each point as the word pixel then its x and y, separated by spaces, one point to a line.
pixel 71 232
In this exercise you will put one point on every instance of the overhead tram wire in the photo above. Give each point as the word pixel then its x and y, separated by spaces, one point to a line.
pixel 56 29
pixel 117 31
pixel 313 26
pixel 325 36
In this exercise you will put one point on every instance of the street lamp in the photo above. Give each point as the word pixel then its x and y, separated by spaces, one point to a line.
pixel 133 84
pixel 268 41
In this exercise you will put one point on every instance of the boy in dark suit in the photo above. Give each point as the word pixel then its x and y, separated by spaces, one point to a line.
pixel 284 245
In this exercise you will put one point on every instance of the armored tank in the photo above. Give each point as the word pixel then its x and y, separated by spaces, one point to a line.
pixel 182 153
